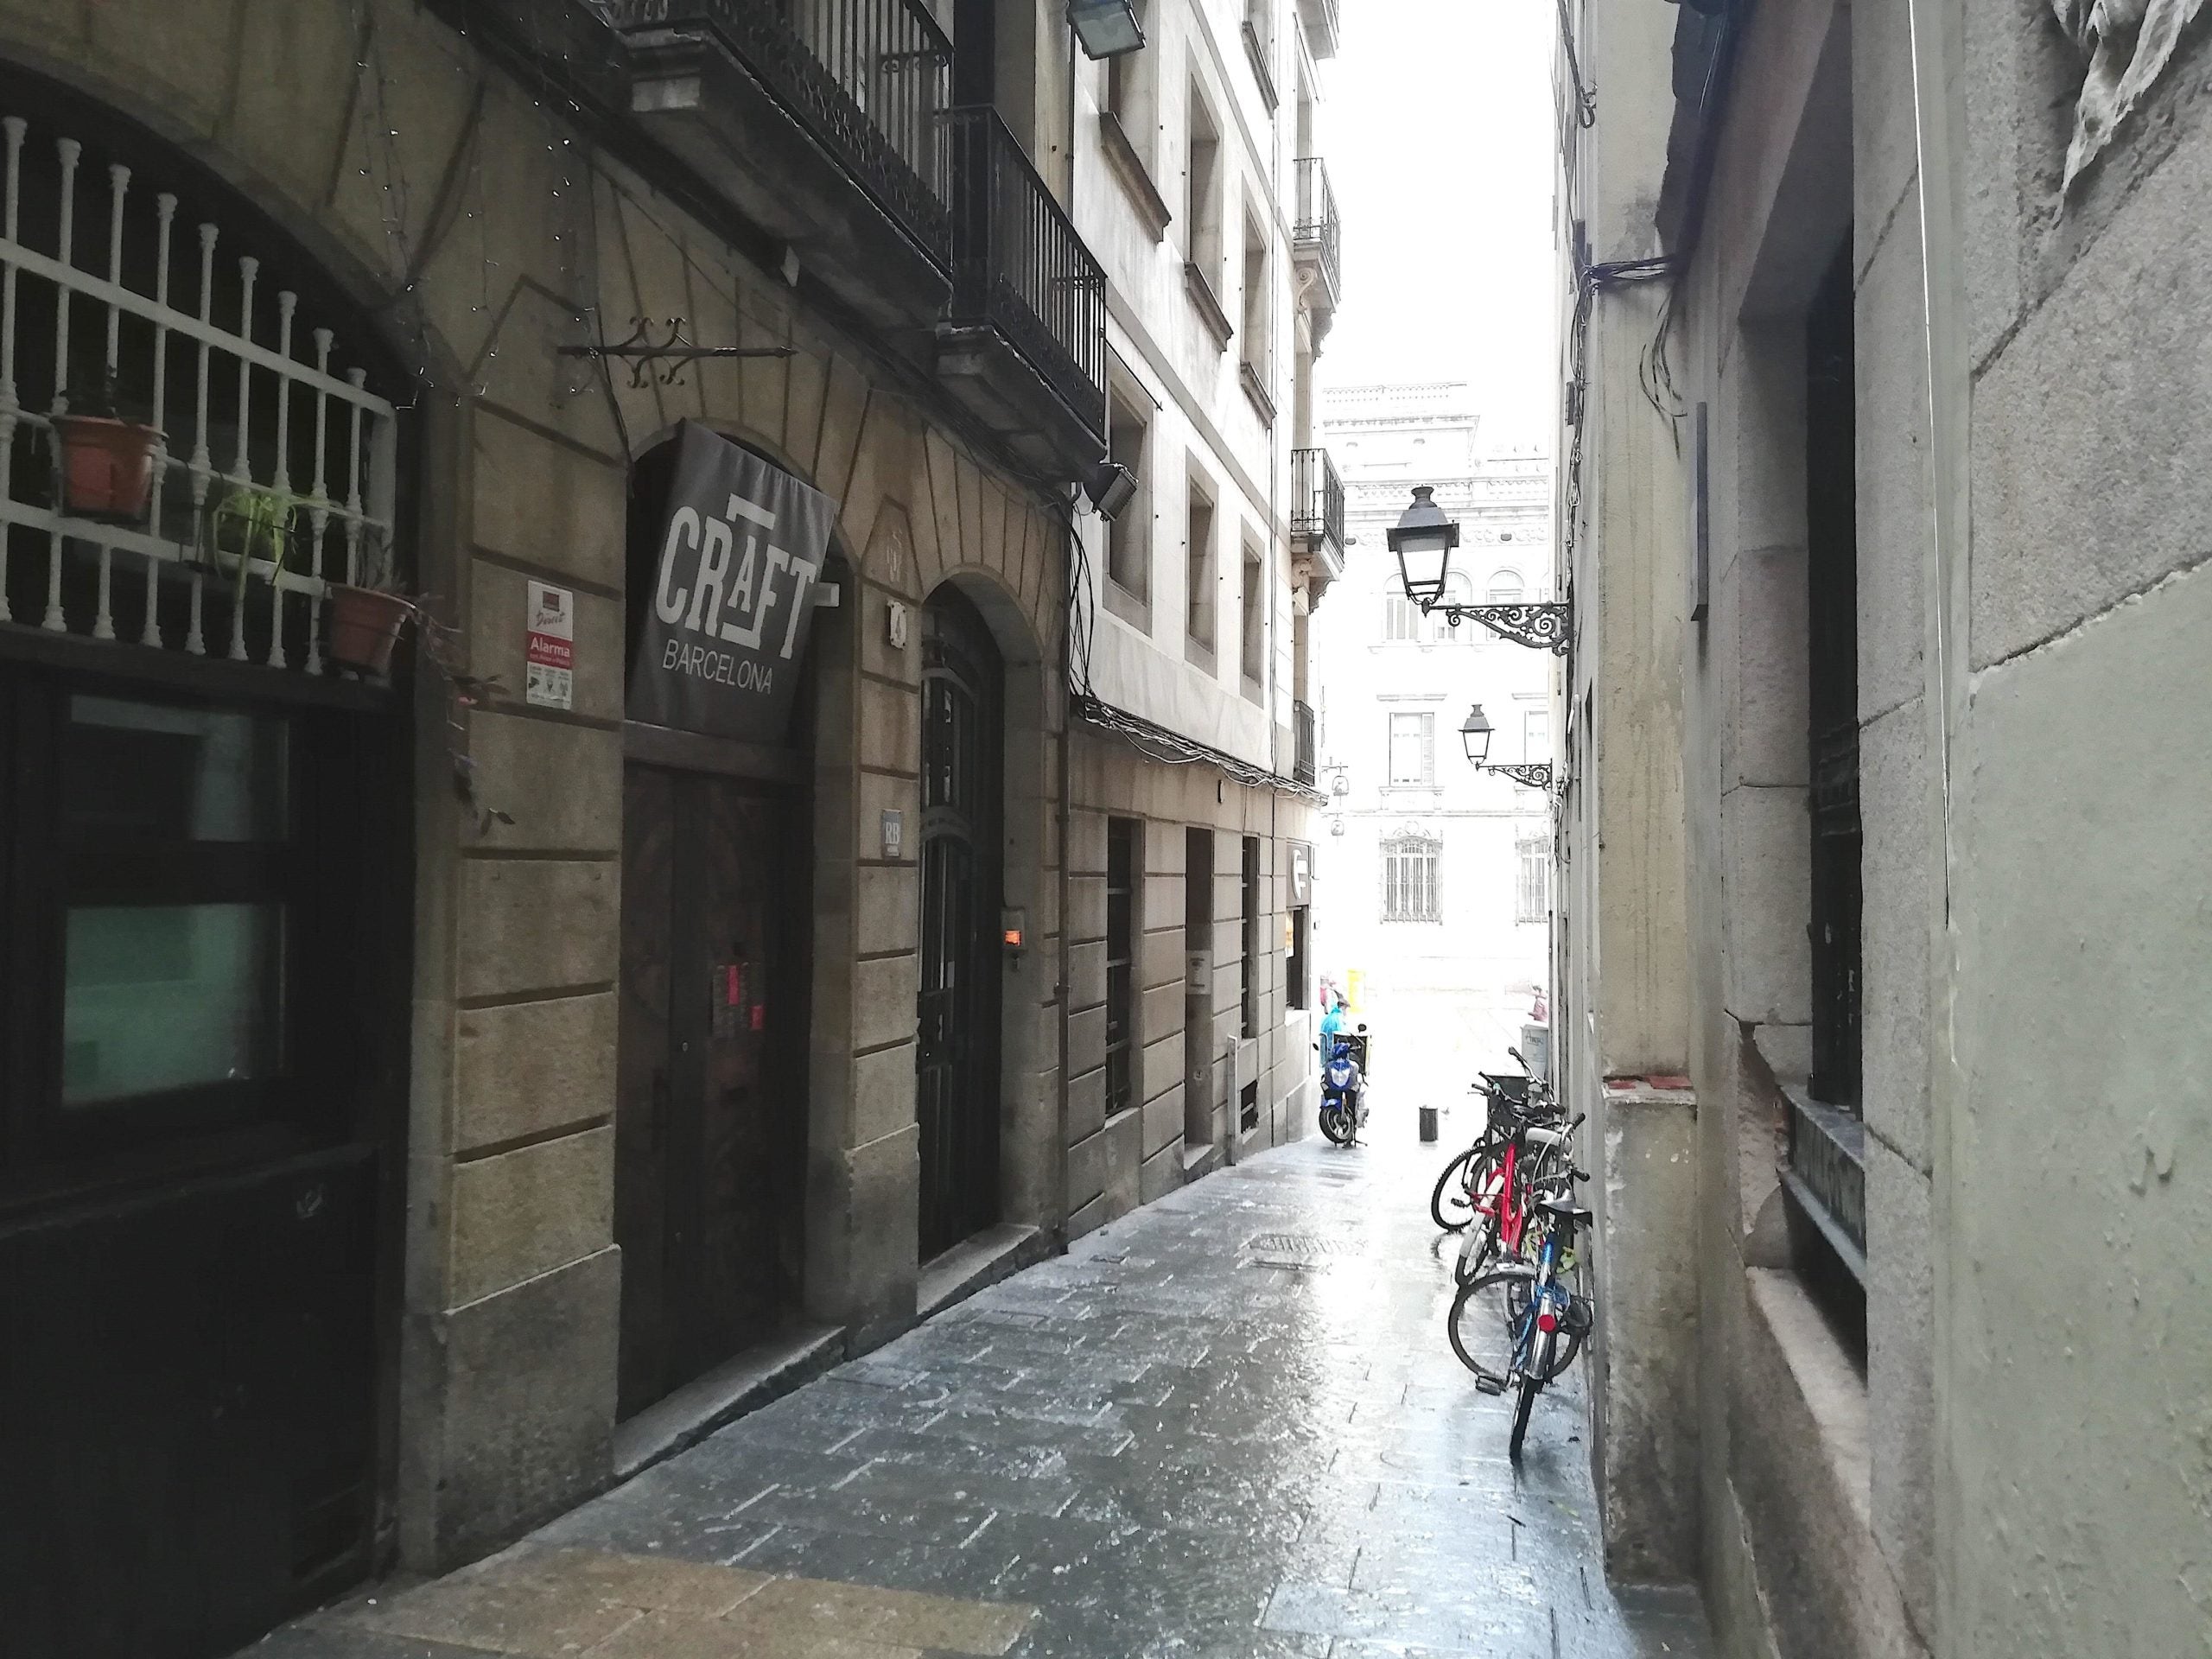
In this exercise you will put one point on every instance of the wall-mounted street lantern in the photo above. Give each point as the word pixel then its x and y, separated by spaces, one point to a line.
pixel 1106 29
pixel 1475 733
pixel 1423 539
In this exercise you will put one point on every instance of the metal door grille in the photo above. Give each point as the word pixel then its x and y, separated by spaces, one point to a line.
pixel 198 348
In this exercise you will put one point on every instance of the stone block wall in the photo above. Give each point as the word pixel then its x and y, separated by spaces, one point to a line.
pixel 457 205
pixel 1116 1163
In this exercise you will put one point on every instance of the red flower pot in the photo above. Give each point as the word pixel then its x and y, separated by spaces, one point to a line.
pixel 364 625
pixel 107 467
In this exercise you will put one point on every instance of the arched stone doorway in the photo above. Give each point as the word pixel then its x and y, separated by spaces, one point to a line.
pixel 712 1105
pixel 957 1084
pixel 205 902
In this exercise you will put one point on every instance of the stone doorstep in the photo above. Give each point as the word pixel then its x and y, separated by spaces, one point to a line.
pixel 1200 1162
pixel 745 1382
pixel 995 1252
pixel 596 1605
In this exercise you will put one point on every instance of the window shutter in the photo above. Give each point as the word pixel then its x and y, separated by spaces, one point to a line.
pixel 1428 748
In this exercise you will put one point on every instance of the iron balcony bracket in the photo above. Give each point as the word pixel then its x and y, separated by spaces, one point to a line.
pixel 1540 627
pixel 642 351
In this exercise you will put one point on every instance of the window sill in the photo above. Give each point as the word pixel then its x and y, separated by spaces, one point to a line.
pixel 1134 608
pixel 1209 307
pixel 1256 394
pixel 1255 690
pixel 1196 653
pixel 1136 177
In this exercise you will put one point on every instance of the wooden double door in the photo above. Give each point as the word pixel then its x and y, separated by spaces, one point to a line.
pixel 710 1130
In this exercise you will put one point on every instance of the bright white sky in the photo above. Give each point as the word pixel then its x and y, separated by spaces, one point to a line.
pixel 1437 124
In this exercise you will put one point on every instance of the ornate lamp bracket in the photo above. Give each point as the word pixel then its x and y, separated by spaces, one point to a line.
pixel 1540 627
pixel 1534 775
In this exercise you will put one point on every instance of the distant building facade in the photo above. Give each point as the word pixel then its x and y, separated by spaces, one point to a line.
pixel 1436 910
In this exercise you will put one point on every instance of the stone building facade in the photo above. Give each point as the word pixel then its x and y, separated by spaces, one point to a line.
pixel 453 1089
pixel 1435 917
pixel 1885 527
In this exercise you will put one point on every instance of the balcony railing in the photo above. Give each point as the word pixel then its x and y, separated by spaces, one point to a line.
pixel 870 79
pixel 1317 499
pixel 1316 231
pixel 1302 767
pixel 1019 266
pixel 1826 1173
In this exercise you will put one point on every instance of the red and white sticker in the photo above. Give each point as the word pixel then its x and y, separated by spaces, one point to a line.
pixel 550 647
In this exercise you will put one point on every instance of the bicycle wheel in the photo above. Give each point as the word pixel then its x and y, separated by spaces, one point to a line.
pixel 1478 1250
pixel 1449 1206
pixel 1485 1321
pixel 1530 1387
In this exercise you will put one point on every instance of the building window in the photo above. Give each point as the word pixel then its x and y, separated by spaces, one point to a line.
pixel 1409 880
pixel 1255 619
pixel 1249 972
pixel 1533 895
pixel 1402 622
pixel 1257 334
pixel 1128 90
pixel 1413 750
pixel 1199 574
pixel 1456 591
pixel 1536 735
pixel 1128 533
pixel 1505 588
pixel 1297 983
pixel 1124 836
pixel 1202 193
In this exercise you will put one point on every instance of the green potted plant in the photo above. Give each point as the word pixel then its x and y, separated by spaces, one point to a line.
pixel 247 523
pixel 105 458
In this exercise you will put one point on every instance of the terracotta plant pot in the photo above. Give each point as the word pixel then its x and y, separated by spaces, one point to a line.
pixel 364 625
pixel 107 467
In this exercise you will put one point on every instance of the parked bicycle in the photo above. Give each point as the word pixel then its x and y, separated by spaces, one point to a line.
pixel 1520 1325
pixel 1453 1201
pixel 1531 1157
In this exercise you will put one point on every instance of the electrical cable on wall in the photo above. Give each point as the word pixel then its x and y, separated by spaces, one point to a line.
pixel 1153 741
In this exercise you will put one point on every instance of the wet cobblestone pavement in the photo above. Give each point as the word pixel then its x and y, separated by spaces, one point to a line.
pixel 1225 1426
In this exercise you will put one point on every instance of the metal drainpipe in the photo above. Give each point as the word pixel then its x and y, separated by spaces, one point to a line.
pixel 1066 793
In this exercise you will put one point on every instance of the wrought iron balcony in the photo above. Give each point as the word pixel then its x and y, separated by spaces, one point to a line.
pixel 744 88
pixel 1315 237
pixel 1320 19
pixel 1302 767
pixel 1317 504
pixel 1026 339
pixel 1317 522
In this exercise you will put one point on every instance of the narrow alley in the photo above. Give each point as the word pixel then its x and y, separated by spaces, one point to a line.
pixel 1227 1426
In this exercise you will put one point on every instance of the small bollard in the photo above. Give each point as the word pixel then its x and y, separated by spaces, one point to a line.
pixel 1428 1122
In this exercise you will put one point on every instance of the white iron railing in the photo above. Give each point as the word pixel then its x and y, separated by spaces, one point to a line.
pixel 195 596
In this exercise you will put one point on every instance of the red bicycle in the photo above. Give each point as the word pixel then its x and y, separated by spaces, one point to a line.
pixel 1533 1156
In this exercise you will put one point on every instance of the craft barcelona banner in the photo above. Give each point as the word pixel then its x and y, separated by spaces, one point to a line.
pixel 733 593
